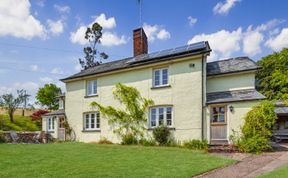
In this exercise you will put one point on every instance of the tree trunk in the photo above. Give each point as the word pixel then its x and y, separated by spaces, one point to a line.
pixel 11 116
pixel 23 112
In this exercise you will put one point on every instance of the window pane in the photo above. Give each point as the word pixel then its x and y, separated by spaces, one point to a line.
pixel 92 124
pixel 156 78
pixel 221 118
pixel 87 121
pixel 169 116
pixel 222 110
pixel 95 87
pixel 153 117
pixel 215 118
pixel 161 116
pixel 164 76
pixel 89 91
pixel 98 120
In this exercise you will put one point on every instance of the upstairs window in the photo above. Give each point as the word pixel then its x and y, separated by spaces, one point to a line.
pixel 92 87
pixel 92 121
pixel 161 116
pixel 160 77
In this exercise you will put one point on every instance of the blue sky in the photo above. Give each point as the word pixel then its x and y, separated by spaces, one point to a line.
pixel 41 40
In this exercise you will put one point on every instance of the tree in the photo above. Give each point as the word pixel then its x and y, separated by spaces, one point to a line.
pixel 26 98
pixel 37 115
pixel 93 35
pixel 47 96
pixel 11 103
pixel 132 119
pixel 273 76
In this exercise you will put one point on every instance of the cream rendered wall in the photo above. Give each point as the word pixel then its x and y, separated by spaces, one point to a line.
pixel 231 82
pixel 184 94
pixel 235 119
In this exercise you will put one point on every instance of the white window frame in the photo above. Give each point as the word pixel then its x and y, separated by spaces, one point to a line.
pixel 164 116
pixel 90 87
pixel 96 118
pixel 51 124
pixel 160 77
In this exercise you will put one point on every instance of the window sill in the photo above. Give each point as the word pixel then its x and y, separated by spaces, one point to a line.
pixel 163 86
pixel 170 128
pixel 90 96
pixel 91 131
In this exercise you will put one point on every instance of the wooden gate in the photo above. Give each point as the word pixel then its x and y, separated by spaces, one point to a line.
pixel 61 129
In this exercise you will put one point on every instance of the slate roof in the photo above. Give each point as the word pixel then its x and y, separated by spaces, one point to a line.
pixel 54 113
pixel 233 96
pixel 231 65
pixel 281 110
pixel 183 51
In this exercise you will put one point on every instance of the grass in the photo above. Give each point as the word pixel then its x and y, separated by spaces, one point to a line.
pixel 93 160
pixel 279 173
pixel 21 123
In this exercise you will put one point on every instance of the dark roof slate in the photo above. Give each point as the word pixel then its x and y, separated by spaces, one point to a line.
pixel 192 49
pixel 233 96
pixel 55 113
pixel 231 65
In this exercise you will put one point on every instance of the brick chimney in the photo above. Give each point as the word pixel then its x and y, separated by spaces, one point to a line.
pixel 140 42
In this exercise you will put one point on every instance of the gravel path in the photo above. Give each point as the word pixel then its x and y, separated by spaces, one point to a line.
pixel 249 165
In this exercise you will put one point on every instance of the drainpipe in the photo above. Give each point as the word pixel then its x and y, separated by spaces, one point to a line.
pixel 202 102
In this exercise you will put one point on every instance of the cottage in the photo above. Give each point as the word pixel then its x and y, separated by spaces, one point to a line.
pixel 196 99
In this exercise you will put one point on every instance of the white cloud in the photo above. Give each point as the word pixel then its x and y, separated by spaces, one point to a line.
pixel 34 68
pixel 57 71
pixel 46 79
pixel 111 39
pixel 56 27
pixel 30 86
pixel 106 23
pixel 278 42
pixel 223 42
pixel 16 20
pixel 40 3
pixel 62 9
pixel 108 38
pixel 251 42
pixel 155 32
pixel 192 20
pixel 78 67
pixel 224 7
pixel 163 34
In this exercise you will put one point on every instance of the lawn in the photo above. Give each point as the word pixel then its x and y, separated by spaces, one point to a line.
pixel 21 123
pixel 93 160
pixel 279 173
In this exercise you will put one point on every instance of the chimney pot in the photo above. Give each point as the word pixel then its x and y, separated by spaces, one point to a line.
pixel 140 42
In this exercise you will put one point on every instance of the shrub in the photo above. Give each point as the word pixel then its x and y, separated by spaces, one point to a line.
pixel 2 137
pixel 104 141
pixel 147 142
pixel 162 135
pixel 196 144
pixel 257 128
pixel 129 139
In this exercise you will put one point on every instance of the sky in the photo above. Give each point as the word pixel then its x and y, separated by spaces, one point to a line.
pixel 42 40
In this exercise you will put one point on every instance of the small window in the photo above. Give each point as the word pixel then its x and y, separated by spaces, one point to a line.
pixel 92 87
pixel 218 114
pixel 161 116
pixel 51 124
pixel 160 77
pixel 92 121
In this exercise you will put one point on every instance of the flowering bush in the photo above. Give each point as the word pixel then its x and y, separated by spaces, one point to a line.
pixel 36 116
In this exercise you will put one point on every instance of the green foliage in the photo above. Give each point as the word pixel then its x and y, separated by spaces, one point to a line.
pixel 162 135
pixel 147 142
pixel 21 123
pixel 132 119
pixel 196 144
pixel 257 128
pixel 129 139
pixel 273 75
pixel 93 35
pixel 2 137
pixel 47 96
pixel 11 103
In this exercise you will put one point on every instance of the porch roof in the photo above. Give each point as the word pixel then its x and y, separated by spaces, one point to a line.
pixel 55 113
pixel 281 111
pixel 234 96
